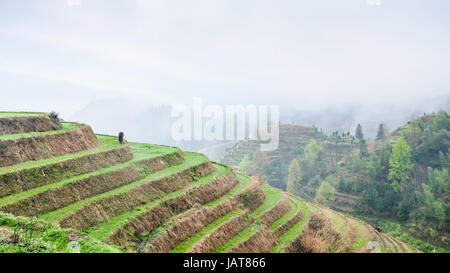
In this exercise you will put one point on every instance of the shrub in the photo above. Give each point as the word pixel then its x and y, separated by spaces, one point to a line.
pixel 54 117
pixel 320 237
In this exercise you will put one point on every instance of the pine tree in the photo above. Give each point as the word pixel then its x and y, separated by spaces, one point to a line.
pixel 363 151
pixel 341 185
pixel 295 177
pixel 400 165
pixel 382 132
pixel 359 133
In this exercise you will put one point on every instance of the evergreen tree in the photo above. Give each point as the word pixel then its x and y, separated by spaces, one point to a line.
pixel 295 177
pixel 400 165
pixel 432 209
pixel 341 185
pixel 382 131
pixel 359 133
pixel 359 184
pixel 363 151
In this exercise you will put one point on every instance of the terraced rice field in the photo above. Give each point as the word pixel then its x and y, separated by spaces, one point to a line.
pixel 140 197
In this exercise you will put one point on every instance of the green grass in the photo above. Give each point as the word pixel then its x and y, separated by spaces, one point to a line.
pixel 102 230
pixel 65 127
pixel 358 243
pixel 106 143
pixel 46 238
pixel 273 196
pixel 20 114
pixel 141 152
pixel 184 246
pixel 287 216
pixel 362 234
pixel 338 222
pixel 397 231
pixel 192 159
pixel 295 231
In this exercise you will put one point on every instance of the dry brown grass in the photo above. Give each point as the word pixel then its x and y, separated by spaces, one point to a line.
pixel 222 234
pixel 47 146
pixel 187 226
pixel 319 237
pixel 275 213
pixel 286 226
pixel 259 242
pixel 19 125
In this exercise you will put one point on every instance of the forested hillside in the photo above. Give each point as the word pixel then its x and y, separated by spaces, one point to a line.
pixel 400 182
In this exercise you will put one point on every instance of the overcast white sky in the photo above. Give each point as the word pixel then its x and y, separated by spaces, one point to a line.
pixel 300 54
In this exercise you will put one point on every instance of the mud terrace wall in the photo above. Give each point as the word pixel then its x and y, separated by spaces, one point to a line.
pixel 19 125
pixel 286 226
pixel 270 216
pixel 222 234
pixel 25 179
pixel 105 209
pixel 263 239
pixel 15 151
pixel 188 225
pixel 260 242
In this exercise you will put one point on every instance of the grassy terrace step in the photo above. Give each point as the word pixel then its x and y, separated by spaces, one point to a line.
pixel 17 123
pixel 21 114
pixel 272 197
pixel 32 174
pixel 263 239
pixel 286 217
pixel 191 160
pixel 290 235
pixel 106 143
pixel 244 182
pixel 392 243
pixel 143 154
pixel 65 127
pixel 385 244
pixel 71 138
pixel 222 233
pixel 400 247
pixel 344 226
pixel 363 234
pixel 185 245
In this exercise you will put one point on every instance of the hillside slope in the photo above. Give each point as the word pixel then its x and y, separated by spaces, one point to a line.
pixel 294 140
pixel 67 190
pixel 402 183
